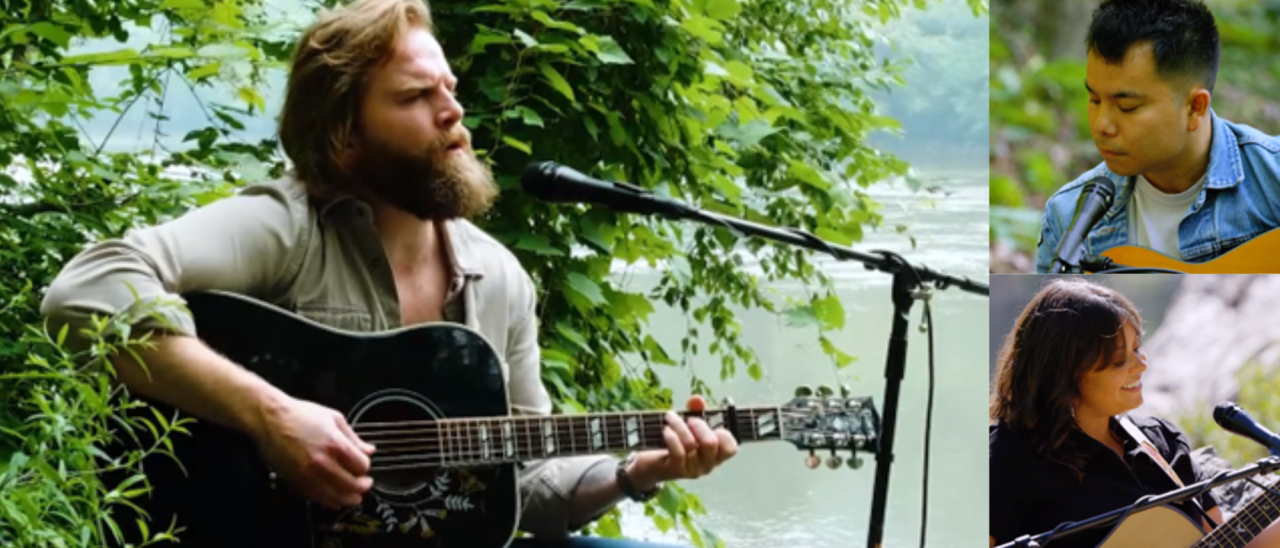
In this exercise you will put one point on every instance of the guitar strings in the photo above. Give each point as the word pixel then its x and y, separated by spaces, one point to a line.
pixel 382 427
pixel 1223 532
pixel 458 439
pixel 472 458
pixel 466 451
pixel 754 411
pixel 463 431
pixel 464 441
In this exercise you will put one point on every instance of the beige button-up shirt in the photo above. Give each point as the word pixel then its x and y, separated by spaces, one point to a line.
pixel 324 260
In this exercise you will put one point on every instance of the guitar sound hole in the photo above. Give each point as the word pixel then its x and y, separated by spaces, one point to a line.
pixel 406 442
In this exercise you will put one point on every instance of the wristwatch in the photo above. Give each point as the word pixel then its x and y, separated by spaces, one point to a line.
pixel 629 488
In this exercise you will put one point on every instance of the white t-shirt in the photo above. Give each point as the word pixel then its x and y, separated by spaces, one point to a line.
pixel 1157 215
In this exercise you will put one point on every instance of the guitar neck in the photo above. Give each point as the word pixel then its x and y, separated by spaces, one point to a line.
pixel 501 440
pixel 1246 524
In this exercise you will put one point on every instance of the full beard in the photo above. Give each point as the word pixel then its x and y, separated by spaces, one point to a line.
pixel 431 183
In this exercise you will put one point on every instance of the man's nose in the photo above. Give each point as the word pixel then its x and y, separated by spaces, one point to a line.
pixel 451 111
pixel 1103 125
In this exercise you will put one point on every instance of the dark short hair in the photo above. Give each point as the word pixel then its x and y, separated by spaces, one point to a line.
pixel 1182 33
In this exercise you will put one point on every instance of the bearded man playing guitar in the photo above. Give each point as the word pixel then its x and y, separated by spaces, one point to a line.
pixel 1189 185
pixel 369 232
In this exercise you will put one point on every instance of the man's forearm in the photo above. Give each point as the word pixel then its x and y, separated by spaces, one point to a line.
pixel 597 493
pixel 185 373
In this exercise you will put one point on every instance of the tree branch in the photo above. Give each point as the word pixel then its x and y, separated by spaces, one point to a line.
pixel 35 208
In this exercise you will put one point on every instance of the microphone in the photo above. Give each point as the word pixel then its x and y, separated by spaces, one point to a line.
pixel 1094 200
pixel 1233 418
pixel 552 182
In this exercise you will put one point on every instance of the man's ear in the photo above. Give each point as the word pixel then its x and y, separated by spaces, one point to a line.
pixel 1198 108
pixel 351 145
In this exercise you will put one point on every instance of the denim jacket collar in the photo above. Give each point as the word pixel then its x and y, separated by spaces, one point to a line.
pixel 1225 168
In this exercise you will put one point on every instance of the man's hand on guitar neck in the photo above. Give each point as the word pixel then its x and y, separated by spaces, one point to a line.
pixel 693 450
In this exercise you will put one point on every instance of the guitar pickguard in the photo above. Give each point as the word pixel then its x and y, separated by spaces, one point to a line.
pixel 450 491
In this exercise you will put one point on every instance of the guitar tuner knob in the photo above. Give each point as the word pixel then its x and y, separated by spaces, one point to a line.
pixel 854 462
pixel 803 392
pixel 833 462
pixel 812 461
pixel 825 391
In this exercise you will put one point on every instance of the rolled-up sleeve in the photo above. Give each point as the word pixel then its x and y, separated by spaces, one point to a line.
pixel 248 243
pixel 546 486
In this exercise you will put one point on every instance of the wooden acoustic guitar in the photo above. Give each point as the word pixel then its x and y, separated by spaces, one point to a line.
pixel 1260 255
pixel 1167 527
pixel 433 399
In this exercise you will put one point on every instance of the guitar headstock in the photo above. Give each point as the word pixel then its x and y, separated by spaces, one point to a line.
pixel 821 420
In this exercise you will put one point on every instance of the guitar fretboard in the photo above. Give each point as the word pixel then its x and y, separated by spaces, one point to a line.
pixel 1245 524
pixel 501 440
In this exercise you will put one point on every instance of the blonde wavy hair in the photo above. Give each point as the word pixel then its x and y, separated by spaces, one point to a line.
pixel 327 81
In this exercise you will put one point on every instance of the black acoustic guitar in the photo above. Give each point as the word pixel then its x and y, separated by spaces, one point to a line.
pixel 433 399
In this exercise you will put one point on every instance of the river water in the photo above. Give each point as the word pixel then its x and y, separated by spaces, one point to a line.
pixel 765 497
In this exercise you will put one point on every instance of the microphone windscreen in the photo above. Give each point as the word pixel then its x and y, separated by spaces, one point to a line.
pixel 538 179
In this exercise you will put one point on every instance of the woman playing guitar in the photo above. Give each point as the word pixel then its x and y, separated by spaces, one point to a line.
pixel 1062 447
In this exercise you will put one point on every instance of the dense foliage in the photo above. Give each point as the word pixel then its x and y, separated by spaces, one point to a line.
pixel 758 109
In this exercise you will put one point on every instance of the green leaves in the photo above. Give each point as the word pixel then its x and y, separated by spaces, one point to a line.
pixel 517 144
pixel 704 28
pixel 555 80
pixel 527 115
pixel 51 32
pixel 539 244
pixel 107 58
pixel 721 9
pixel 606 50
pixel 583 287
pixel 829 312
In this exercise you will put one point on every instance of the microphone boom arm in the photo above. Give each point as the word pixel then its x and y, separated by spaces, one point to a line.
pixel 807 240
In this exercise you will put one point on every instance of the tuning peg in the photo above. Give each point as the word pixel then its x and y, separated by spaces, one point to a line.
pixel 834 461
pixel 812 461
pixel 825 391
pixel 803 392
pixel 854 462
pixel 844 391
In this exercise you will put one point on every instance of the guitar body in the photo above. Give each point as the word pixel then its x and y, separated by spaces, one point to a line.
pixel 433 400
pixel 228 497
pixel 1260 255
pixel 1159 527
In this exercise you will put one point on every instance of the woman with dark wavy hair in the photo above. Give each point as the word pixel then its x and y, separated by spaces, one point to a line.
pixel 1062 447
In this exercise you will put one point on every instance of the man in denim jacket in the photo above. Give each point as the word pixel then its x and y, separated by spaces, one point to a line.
pixel 1189 184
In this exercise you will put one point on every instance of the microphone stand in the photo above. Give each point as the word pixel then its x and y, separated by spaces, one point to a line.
pixel 1263 466
pixel 908 280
